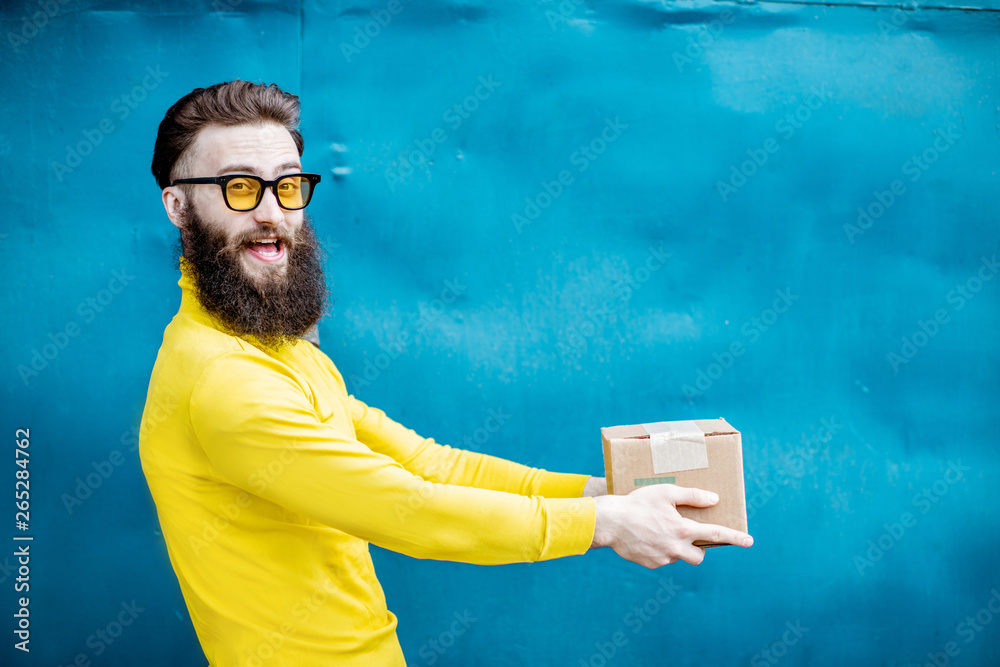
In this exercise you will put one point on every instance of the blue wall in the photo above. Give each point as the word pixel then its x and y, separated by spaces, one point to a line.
pixel 835 162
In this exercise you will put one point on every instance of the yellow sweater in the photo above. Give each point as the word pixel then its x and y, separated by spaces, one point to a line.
pixel 270 480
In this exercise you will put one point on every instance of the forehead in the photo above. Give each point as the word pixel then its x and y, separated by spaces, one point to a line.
pixel 263 149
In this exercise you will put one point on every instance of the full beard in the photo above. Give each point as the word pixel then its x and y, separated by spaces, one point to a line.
pixel 275 309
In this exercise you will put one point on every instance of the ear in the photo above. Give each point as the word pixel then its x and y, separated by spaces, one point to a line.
pixel 173 203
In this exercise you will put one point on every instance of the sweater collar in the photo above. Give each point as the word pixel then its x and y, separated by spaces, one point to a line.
pixel 190 304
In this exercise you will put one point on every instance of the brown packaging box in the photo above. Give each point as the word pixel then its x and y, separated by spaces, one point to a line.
pixel 704 454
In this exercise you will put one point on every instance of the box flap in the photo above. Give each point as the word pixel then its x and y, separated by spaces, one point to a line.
pixel 710 426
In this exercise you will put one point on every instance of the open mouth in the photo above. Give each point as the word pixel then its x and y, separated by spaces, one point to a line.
pixel 267 250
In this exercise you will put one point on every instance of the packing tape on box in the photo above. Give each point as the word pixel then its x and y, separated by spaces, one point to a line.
pixel 676 446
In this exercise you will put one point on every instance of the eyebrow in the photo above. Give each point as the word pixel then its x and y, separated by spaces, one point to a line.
pixel 247 169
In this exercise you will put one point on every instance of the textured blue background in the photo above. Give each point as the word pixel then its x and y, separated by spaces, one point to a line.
pixel 839 442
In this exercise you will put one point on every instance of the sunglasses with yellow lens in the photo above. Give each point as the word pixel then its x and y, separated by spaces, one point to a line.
pixel 244 192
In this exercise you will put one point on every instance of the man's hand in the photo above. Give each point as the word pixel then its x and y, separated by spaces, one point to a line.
pixel 595 486
pixel 645 527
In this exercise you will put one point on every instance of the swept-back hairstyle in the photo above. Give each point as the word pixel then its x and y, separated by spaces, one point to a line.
pixel 226 104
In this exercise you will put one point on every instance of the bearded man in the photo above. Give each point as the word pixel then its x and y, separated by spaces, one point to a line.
pixel 269 478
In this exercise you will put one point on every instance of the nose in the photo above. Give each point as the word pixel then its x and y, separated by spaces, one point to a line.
pixel 268 212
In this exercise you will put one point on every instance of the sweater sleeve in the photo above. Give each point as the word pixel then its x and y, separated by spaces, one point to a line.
pixel 450 465
pixel 267 439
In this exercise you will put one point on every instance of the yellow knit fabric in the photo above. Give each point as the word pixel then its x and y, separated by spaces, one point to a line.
pixel 270 480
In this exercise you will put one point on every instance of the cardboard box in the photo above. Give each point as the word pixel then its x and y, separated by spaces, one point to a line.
pixel 704 454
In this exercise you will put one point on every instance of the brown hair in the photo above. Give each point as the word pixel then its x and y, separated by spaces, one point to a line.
pixel 227 104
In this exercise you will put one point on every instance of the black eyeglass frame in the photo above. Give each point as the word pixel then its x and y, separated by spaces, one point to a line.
pixel 223 181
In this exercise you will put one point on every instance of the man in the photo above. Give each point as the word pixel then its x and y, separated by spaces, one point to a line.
pixel 270 479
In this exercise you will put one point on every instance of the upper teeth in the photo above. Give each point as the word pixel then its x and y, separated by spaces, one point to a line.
pixel 264 241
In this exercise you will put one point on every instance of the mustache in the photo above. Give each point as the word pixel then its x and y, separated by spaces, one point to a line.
pixel 263 232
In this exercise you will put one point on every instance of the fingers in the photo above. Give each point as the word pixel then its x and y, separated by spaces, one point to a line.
pixel 595 486
pixel 691 554
pixel 653 533
pixel 714 534
pixel 708 532
pixel 682 495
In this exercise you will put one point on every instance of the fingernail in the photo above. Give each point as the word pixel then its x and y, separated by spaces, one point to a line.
pixel 714 497
pixel 747 541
